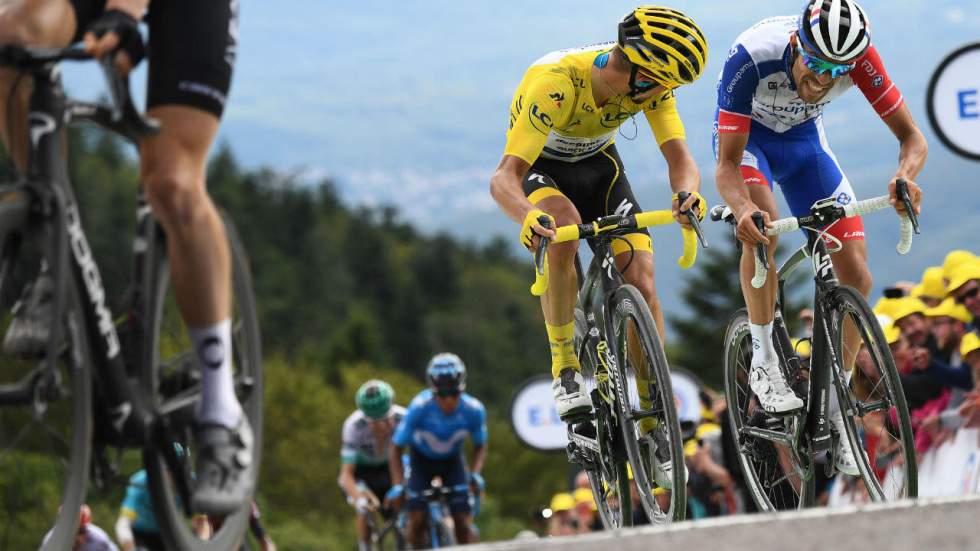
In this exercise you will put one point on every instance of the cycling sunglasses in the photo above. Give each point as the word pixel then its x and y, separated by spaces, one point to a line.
pixel 972 293
pixel 448 392
pixel 821 66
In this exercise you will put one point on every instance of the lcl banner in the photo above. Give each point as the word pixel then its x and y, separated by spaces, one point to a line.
pixel 953 101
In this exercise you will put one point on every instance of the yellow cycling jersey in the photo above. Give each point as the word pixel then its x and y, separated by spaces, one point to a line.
pixel 554 114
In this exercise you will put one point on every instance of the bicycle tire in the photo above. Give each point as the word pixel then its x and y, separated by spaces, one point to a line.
pixel 174 523
pixel 608 477
pixel 901 478
pixel 445 532
pixel 775 479
pixel 27 471
pixel 628 305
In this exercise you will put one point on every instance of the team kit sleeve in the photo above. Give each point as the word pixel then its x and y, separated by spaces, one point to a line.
pixel 547 103
pixel 870 77
pixel 478 426
pixel 664 119
pixel 403 432
pixel 739 79
pixel 130 503
pixel 348 448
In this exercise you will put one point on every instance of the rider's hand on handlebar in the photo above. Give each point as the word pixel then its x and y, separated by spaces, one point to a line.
pixel 394 497
pixel 695 201
pixel 532 230
pixel 117 30
pixel 915 196
pixel 746 230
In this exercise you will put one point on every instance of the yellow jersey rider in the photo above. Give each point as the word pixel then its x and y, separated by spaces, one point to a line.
pixel 560 159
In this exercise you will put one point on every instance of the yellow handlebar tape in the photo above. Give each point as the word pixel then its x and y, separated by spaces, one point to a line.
pixel 654 218
pixel 690 248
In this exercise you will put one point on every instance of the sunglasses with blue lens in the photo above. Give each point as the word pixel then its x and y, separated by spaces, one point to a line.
pixel 821 66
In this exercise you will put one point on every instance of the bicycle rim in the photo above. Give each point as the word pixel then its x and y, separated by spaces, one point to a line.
pixel 45 443
pixel 873 406
pixel 777 476
pixel 651 431
pixel 171 378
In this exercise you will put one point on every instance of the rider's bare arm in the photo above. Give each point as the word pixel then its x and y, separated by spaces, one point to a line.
pixel 911 156
pixel 395 468
pixel 347 482
pixel 683 173
pixel 479 457
pixel 732 188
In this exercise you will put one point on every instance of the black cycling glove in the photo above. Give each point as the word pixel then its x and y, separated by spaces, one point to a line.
pixel 126 27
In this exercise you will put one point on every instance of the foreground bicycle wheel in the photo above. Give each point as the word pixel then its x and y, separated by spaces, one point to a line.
pixel 873 404
pixel 778 476
pixel 608 476
pixel 45 417
pixel 645 403
pixel 171 377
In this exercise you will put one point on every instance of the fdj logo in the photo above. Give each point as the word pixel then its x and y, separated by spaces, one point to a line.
pixel 967 104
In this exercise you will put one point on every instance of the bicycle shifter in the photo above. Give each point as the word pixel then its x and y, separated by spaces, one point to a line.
pixel 760 251
pixel 902 192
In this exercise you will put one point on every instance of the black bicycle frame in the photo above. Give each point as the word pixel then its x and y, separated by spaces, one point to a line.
pixel 597 284
pixel 47 178
pixel 822 356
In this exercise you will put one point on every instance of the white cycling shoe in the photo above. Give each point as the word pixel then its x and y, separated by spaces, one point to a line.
pixel 571 398
pixel 846 462
pixel 769 385
pixel 663 467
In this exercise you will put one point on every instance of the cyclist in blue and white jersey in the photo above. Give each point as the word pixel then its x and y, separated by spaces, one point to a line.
pixel 434 429
pixel 778 78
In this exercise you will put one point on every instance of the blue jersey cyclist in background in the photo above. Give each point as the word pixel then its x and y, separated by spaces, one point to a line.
pixel 366 441
pixel 434 429
pixel 778 77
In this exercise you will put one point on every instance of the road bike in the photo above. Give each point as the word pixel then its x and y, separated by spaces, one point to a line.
pixel 629 434
pixel 779 454
pixel 100 382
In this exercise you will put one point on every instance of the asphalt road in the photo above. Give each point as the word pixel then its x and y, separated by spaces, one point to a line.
pixel 927 525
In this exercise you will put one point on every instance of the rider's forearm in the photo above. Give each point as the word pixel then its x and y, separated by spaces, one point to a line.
pixel 912 155
pixel 136 8
pixel 479 458
pixel 731 186
pixel 682 170
pixel 508 192
pixel 124 533
pixel 346 480
pixel 395 465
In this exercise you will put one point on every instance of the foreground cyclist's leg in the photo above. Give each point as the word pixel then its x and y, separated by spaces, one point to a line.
pixel 558 304
pixel 173 173
pixel 48 23
pixel 766 377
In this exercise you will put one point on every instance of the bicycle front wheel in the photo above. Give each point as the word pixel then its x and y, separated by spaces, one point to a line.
pixel 876 417
pixel 646 407
pixel 46 411
pixel 778 475
pixel 171 379
pixel 607 470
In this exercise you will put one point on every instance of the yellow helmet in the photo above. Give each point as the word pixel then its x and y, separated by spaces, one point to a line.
pixel 664 42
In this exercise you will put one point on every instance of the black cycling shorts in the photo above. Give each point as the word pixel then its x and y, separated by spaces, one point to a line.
pixel 596 185
pixel 378 480
pixel 191 49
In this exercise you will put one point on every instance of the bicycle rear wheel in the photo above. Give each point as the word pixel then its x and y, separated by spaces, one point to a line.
pixel 171 380
pixel 45 409
pixel 646 407
pixel 778 475
pixel 607 472
pixel 873 406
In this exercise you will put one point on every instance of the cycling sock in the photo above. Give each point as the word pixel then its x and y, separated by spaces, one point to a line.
pixel 218 401
pixel 761 343
pixel 562 341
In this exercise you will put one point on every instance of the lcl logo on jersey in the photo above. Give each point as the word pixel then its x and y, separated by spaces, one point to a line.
pixel 539 119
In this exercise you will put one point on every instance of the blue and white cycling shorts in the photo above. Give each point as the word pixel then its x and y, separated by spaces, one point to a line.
pixel 801 161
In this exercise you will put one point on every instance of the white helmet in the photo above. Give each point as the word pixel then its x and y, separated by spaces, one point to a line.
pixel 835 29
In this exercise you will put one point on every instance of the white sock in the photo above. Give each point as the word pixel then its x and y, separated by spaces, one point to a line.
pixel 761 343
pixel 218 401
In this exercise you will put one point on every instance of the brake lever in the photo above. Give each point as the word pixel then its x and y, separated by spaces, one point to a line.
pixel 692 217
pixel 902 191
pixel 545 222
pixel 761 253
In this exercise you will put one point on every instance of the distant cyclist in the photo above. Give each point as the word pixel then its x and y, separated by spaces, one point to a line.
pixel 89 537
pixel 434 429
pixel 560 161
pixel 778 78
pixel 366 441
